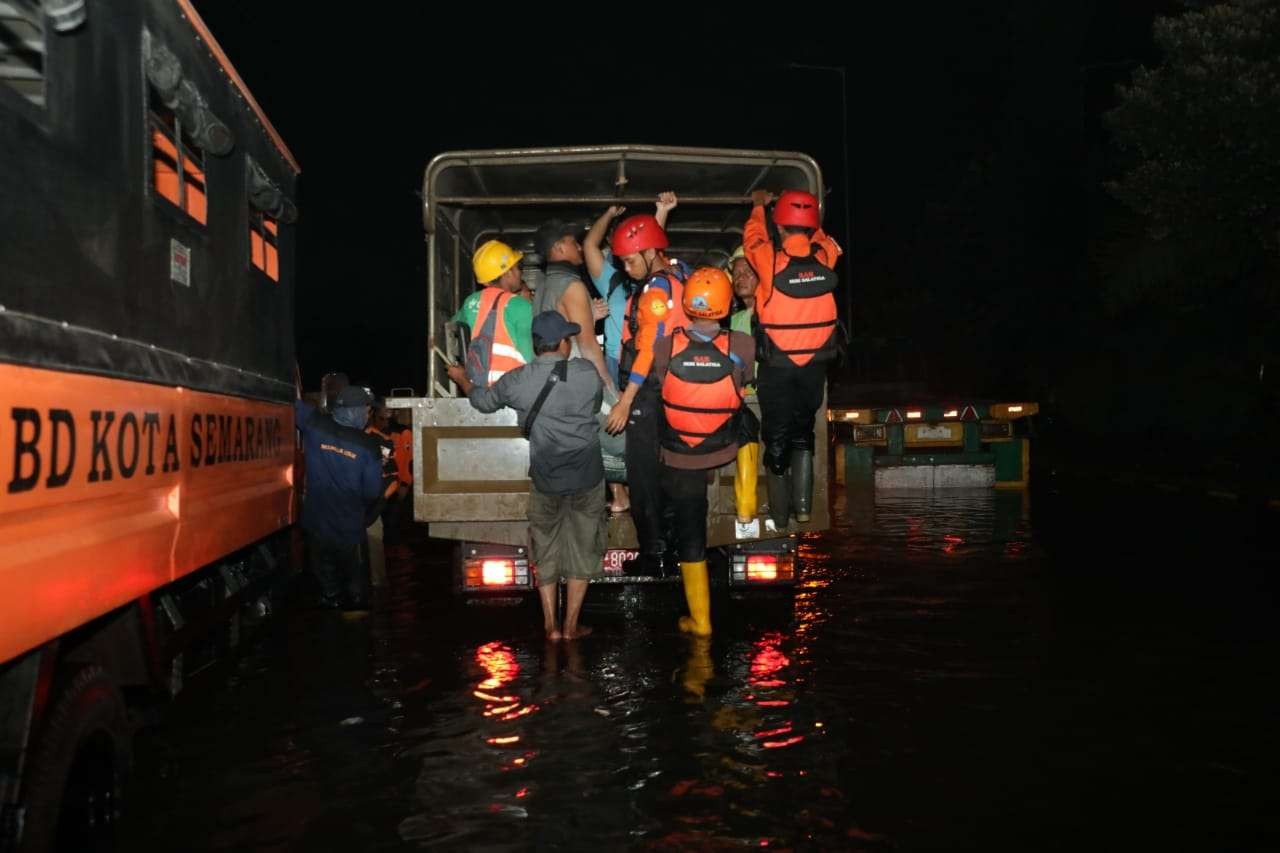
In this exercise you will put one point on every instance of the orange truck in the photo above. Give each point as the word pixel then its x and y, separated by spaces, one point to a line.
pixel 147 443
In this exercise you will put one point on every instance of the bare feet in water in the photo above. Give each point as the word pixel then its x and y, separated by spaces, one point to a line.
pixel 554 635
pixel 575 633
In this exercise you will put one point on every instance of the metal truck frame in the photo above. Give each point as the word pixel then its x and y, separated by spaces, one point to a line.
pixel 470 469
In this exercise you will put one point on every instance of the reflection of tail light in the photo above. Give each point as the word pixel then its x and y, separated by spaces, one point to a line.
pixel 495 572
pixel 764 568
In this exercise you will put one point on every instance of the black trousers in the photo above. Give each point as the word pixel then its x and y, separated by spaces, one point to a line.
pixel 393 519
pixel 339 569
pixel 789 399
pixel 643 431
pixel 685 492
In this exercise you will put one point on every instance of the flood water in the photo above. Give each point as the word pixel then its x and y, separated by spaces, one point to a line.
pixel 1070 669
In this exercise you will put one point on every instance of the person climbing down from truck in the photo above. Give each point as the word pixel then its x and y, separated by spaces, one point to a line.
pixel 344 481
pixel 702 370
pixel 556 398
pixel 796 320
pixel 498 319
pixel 653 312
pixel 615 287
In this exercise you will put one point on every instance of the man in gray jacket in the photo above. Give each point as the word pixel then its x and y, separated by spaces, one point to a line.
pixel 567 528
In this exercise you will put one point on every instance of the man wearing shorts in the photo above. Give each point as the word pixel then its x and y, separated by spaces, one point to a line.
pixel 567 527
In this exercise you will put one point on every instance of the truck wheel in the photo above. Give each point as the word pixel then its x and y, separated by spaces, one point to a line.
pixel 76 779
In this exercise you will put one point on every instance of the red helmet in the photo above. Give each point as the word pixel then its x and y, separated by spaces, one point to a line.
pixel 798 208
pixel 637 233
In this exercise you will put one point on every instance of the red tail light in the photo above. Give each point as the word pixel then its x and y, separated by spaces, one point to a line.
pixel 481 572
pixel 762 567
pixel 498 572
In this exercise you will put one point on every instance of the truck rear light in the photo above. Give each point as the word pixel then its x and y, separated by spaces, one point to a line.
pixel 495 572
pixel 951 413
pixel 498 572
pixel 914 414
pixel 763 568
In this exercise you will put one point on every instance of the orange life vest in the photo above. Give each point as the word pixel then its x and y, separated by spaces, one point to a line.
pixel 699 396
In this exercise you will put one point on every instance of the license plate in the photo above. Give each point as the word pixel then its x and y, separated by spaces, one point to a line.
pixel 615 557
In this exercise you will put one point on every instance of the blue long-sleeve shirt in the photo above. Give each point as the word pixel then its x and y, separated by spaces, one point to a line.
pixel 343 476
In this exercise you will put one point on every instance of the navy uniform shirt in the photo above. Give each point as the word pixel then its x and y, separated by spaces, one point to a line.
pixel 343 479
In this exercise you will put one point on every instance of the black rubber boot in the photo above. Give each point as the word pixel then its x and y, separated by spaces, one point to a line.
pixel 802 484
pixel 779 488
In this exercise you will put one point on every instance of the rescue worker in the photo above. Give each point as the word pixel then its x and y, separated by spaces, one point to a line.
pixel 653 312
pixel 745 281
pixel 394 518
pixel 379 429
pixel 796 318
pixel 344 480
pixel 615 287
pixel 611 282
pixel 497 267
pixel 701 370
pixel 562 289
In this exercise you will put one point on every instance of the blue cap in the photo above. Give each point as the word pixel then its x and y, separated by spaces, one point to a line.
pixel 551 327
pixel 353 396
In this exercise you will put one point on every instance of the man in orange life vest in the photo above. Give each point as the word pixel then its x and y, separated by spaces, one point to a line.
pixel 796 317
pixel 701 370
pixel 653 312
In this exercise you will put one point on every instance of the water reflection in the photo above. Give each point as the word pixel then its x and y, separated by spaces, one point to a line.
pixel 936 681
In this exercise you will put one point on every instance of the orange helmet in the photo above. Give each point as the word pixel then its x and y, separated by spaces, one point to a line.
pixel 707 294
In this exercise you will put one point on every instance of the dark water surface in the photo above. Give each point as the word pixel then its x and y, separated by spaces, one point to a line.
pixel 964 670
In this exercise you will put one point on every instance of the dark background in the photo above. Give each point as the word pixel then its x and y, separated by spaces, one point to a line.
pixel 977 155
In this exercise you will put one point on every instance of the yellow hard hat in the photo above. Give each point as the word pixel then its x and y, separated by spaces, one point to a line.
pixel 492 259
pixel 737 253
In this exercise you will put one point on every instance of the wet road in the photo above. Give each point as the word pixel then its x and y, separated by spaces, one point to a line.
pixel 966 670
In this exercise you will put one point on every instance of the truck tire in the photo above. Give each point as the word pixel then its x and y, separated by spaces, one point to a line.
pixel 75 782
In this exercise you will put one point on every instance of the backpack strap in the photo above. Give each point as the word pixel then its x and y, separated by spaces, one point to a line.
pixel 559 373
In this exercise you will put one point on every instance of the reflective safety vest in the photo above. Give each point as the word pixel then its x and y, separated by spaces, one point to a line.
pixel 798 320
pixel 699 396
pixel 503 356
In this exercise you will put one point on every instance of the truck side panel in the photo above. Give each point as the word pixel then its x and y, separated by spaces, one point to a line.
pixel 113 488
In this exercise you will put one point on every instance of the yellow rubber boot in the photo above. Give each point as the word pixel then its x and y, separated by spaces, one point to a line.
pixel 744 481
pixel 697 592
pixel 698 669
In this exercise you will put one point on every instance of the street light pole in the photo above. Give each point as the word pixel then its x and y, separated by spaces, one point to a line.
pixel 844 150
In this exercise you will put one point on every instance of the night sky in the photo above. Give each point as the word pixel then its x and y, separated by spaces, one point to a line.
pixel 976 153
